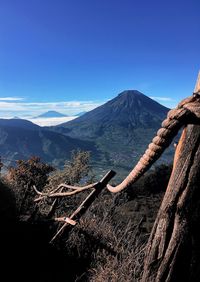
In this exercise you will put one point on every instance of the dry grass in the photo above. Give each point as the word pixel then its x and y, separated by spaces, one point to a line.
pixel 109 241
pixel 123 269
pixel 115 252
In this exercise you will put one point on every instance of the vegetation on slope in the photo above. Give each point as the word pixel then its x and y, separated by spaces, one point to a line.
pixel 107 245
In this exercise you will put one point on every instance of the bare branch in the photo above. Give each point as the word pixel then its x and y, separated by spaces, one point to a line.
pixel 77 187
pixel 38 192
pixel 86 203
pixel 65 220
pixel 63 194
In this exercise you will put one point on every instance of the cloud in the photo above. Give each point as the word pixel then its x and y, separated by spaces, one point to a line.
pixel 11 99
pixel 51 121
pixel 30 109
pixel 11 106
pixel 166 99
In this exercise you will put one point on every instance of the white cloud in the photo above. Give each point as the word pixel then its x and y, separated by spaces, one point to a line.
pixel 51 121
pixel 28 110
pixel 11 99
pixel 161 98
pixel 5 106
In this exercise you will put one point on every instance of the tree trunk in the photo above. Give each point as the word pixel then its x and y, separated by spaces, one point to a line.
pixel 173 249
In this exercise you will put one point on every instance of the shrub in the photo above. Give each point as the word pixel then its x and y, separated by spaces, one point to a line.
pixel 75 171
pixel 22 178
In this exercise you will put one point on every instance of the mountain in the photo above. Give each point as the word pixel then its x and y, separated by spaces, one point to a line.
pixel 121 128
pixel 51 114
pixel 15 117
pixel 18 123
pixel 80 114
pixel 117 133
pixel 130 109
pixel 20 139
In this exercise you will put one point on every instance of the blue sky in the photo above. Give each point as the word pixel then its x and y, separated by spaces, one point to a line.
pixel 73 55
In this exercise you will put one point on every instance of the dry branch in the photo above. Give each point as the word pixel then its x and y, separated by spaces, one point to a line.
pixel 55 194
pixel 77 214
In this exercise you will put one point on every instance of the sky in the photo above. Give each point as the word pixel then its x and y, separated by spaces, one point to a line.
pixel 74 55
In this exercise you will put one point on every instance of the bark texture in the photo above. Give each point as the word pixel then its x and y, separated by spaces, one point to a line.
pixel 173 249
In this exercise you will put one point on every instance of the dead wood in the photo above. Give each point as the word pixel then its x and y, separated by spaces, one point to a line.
pixel 173 249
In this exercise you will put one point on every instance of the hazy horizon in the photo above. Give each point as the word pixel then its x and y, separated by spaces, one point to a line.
pixel 51 121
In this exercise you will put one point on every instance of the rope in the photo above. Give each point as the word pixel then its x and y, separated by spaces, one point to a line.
pixel 187 111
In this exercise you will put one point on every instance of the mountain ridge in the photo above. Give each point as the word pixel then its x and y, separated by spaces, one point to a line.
pixel 21 139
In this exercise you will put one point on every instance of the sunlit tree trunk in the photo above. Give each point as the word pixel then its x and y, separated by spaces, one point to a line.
pixel 173 249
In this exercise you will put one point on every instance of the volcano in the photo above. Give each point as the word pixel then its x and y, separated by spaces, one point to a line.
pixel 121 128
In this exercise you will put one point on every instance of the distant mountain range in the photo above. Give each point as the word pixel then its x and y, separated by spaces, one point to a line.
pixel 51 114
pixel 117 133
pixel 21 139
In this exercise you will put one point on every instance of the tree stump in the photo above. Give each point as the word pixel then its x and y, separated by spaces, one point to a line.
pixel 173 249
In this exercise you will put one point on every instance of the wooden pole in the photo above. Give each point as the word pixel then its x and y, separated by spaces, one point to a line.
pixel 79 212
pixel 173 249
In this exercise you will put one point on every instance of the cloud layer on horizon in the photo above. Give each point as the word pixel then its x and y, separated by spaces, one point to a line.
pixel 51 121
pixel 17 106
pixel 10 108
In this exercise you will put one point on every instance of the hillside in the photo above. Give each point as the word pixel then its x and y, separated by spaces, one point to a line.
pixel 121 128
pixel 20 139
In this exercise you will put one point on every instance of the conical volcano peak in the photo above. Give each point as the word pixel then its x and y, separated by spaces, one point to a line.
pixel 130 109
pixel 137 101
pixel 133 96
pixel 130 93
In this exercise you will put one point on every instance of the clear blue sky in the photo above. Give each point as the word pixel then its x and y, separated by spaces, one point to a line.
pixel 56 51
